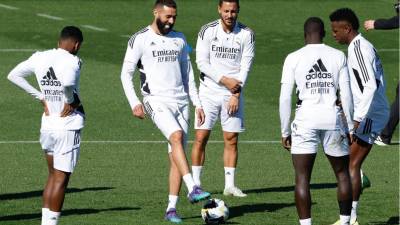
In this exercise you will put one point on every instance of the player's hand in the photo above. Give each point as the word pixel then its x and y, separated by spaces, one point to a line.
pixel 233 105
pixel 68 109
pixel 232 84
pixel 369 25
pixel 45 109
pixel 138 111
pixel 201 117
pixel 287 142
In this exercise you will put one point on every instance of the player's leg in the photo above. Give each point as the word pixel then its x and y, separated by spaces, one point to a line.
pixel 341 169
pixel 211 109
pixel 230 162
pixel 199 153
pixel 304 149
pixel 303 165
pixel 336 147
pixel 59 185
pixel 47 188
pixel 232 125
pixel 65 157
pixel 47 142
pixel 175 181
pixel 358 152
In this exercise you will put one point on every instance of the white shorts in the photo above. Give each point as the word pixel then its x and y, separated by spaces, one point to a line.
pixel 215 106
pixel 64 146
pixel 169 117
pixel 306 141
pixel 369 129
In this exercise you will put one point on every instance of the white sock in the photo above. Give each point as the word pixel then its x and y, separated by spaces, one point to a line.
pixel 305 221
pixel 188 179
pixel 229 177
pixel 196 170
pixel 172 200
pixel 344 220
pixel 44 215
pixel 354 206
pixel 52 218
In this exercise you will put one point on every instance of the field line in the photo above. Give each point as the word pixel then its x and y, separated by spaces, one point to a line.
pixel 47 16
pixel 18 50
pixel 95 28
pixel 143 142
pixel 8 7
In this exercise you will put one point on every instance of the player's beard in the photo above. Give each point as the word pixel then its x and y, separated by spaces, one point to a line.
pixel 232 21
pixel 164 28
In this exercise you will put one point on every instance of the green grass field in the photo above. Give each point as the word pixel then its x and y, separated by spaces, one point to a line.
pixel 120 181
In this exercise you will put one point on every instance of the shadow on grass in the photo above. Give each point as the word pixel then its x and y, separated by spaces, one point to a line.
pixel 237 211
pixel 285 188
pixel 391 220
pixel 32 194
pixel 67 212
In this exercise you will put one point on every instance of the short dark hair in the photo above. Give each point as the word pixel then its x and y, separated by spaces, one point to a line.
pixel 314 25
pixel 345 14
pixel 236 1
pixel 168 3
pixel 72 32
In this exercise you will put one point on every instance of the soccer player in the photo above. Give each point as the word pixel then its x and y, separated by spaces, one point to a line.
pixel 161 55
pixel 319 73
pixel 371 108
pixel 224 55
pixel 57 73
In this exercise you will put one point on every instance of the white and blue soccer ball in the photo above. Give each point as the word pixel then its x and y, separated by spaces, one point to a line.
pixel 215 211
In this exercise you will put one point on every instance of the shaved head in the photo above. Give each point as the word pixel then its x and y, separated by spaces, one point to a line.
pixel 314 25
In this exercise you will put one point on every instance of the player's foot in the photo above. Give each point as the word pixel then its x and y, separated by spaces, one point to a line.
pixel 365 183
pixel 198 195
pixel 235 191
pixel 172 216
pixel 380 142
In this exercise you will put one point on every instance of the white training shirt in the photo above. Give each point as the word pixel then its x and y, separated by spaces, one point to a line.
pixel 164 65
pixel 223 54
pixel 318 71
pixel 367 81
pixel 57 73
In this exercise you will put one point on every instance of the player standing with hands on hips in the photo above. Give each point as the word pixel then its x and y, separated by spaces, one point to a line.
pixel 57 72
pixel 161 55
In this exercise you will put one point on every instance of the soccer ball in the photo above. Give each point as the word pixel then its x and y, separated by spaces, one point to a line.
pixel 214 211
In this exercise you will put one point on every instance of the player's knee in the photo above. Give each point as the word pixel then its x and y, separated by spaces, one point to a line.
pixel 176 137
pixel 231 140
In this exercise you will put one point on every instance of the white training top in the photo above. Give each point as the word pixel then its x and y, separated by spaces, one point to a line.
pixel 318 71
pixel 223 54
pixel 57 73
pixel 164 65
pixel 367 81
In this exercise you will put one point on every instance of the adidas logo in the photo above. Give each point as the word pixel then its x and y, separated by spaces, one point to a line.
pixel 152 44
pixel 228 173
pixel 50 79
pixel 318 70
